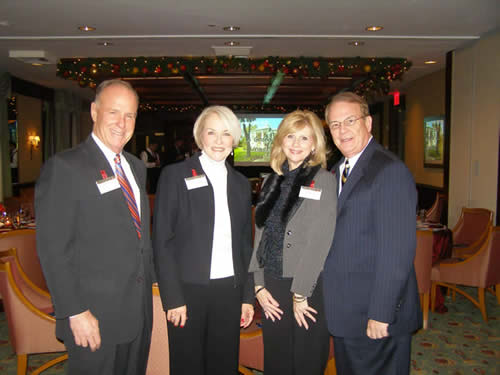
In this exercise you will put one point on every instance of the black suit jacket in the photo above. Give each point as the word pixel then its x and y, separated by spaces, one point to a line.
pixel 369 271
pixel 183 231
pixel 91 255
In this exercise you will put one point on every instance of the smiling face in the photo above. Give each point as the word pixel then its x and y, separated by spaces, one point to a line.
pixel 350 140
pixel 114 115
pixel 216 140
pixel 298 145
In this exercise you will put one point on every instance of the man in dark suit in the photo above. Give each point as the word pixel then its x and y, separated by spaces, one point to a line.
pixel 94 248
pixel 371 297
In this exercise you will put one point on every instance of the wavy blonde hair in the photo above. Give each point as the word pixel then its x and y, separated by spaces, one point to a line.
pixel 225 115
pixel 292 123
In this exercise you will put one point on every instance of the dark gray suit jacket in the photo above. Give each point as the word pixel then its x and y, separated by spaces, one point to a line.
pixel 369 271
pixel 91 255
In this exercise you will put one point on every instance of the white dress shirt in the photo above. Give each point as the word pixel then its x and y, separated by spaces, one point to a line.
pixel 222 249
pixel 110 157
pixel 352 162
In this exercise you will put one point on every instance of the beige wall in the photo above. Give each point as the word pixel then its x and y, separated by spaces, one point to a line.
pixel 29 122
pixel 475 122
pixel 424 97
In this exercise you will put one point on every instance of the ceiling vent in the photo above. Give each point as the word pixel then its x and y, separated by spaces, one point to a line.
pixel 240 52
pixel 32 57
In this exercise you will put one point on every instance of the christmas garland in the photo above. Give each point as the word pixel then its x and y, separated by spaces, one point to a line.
pixel 370 75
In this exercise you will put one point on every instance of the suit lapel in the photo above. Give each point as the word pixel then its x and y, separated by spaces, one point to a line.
pixel 356 174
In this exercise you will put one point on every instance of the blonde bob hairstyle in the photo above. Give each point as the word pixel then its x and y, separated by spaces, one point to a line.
pixel 292 123
pixel 225 115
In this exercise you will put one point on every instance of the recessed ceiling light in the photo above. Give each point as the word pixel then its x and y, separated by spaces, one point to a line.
pixel 231 28
pixel 356 43
pixel 105 44
pixel 430 62
pixel 212 25
pixel 373 28
pixel 36 64
pixel 232 43
pixel 86 28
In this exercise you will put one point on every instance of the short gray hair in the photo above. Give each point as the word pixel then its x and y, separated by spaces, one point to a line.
pixel 110 82
pixel 348 97
pixel 226 116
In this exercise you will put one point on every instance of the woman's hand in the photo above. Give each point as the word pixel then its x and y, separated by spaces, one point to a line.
pixel 246 315
pixel 177 315
pixel 301 310
pixel 269 305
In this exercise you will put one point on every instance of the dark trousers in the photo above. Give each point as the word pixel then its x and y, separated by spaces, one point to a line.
pixel 209 342
pixel 111 359
pixel 364 356
pixel 288 348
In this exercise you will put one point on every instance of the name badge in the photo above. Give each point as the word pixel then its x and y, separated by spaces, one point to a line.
pixel 107 184
pixel 310 193
pixel 196 182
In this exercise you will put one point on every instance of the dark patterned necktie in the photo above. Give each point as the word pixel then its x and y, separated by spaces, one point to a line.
pixel 129 194
pixel 346 171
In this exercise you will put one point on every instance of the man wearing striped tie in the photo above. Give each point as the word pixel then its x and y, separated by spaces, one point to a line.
pixel 371 297
pixel 92 216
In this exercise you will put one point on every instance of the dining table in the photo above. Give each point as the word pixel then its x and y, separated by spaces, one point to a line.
pixel 442 246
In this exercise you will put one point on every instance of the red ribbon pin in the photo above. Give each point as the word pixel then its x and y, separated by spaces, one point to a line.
pixel 312 184
pixel 103 174
pixel 193 172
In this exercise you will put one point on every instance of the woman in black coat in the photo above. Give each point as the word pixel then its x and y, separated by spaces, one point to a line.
pixel 202 247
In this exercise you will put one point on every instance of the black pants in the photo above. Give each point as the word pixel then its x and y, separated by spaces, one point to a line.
pixel 209 342
pixel 111 359
pixel 288 348
pixel 364 356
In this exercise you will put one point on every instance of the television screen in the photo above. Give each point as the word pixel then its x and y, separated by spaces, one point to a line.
pixel 257 134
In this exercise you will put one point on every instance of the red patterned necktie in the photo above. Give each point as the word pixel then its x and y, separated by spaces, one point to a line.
pixel 128 194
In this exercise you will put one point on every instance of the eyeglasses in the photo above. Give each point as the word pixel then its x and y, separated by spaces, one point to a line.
pixel 348 122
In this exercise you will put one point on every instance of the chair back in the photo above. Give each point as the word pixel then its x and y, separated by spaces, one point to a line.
pixel 423 260
pixel 30 329
pixel 433 215
pixel 472 226
pixel 158 362
pixel 24 240
pixel 491 275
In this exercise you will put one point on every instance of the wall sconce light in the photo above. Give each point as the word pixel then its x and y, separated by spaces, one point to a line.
pixel 33 141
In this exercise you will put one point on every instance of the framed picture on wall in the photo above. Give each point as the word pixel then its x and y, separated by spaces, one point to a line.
pixel 433 141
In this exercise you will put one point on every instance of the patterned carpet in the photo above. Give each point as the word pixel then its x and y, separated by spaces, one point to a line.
pixel 458 342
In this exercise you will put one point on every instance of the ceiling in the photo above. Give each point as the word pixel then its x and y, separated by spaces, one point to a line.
pixel 417 30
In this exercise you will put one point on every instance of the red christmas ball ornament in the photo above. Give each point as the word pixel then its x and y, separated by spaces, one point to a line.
pixel 158 69
pixel 305 73
pixel 209 69
pixel 170 65
pixel 266 63
pixel 316 64
pixel 341 68
pixel 253 66
pixel 83 69
pixel 183 68
pixel 225 65
pixel 145 70
pixel 65 74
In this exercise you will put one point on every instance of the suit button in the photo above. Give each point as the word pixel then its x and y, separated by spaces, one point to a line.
pixel 288 245
pixel 289 232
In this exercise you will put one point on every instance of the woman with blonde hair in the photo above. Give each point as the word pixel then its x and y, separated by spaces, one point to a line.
pixel 202 247
pixel 295 221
